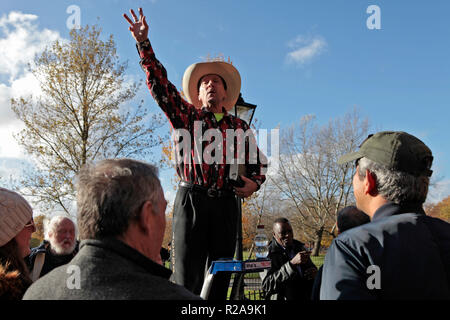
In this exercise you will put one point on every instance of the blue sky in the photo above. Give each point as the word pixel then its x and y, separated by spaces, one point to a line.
pixel 295 58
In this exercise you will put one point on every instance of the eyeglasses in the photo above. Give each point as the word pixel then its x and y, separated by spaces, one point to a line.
pixel 29 224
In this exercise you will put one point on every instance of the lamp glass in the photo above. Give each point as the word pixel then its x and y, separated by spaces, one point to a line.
pixel 243 110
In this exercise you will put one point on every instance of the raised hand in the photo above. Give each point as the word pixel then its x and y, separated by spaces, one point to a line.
pixel 138 27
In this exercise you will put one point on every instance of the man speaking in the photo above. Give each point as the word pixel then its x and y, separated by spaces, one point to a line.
pixel 206 208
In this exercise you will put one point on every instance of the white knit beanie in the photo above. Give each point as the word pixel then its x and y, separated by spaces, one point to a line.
pixel 15 213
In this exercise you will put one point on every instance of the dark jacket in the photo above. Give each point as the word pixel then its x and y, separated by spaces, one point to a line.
pixel 51 260
pixel 315 294
pixel 406 250
pixel 108 269
pixel 283 281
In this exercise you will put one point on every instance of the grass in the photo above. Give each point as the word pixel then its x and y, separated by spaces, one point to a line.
pixel 318 261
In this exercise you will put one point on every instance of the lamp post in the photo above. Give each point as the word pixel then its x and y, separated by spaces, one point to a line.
pixel 244 111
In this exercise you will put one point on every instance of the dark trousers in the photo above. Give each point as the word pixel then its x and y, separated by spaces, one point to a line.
pixel 204 230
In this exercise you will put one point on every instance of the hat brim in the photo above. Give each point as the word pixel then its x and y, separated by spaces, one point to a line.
pixel 227 71
pixel 350 157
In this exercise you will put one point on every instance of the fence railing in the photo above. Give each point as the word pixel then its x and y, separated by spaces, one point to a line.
pixel 251 286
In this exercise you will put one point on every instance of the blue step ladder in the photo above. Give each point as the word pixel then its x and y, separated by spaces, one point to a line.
pixel 231 266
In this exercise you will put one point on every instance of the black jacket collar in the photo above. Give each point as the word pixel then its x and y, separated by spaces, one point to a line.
pixel 390 209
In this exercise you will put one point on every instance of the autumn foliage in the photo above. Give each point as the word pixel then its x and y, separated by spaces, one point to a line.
pixel 440 210
pixel 85 112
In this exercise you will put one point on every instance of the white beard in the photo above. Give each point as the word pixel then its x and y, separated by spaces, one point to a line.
pixel 57 249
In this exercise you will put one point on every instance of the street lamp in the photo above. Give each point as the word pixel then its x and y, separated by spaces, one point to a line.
pixel 244 111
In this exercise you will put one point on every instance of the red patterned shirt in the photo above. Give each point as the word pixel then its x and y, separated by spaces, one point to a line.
pixel 183 115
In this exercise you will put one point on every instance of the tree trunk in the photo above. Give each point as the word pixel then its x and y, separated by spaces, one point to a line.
pixel 317 241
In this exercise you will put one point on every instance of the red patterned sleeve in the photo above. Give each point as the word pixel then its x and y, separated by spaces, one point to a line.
pixel 166 95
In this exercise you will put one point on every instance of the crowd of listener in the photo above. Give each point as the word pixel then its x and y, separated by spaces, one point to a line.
pixel 121 223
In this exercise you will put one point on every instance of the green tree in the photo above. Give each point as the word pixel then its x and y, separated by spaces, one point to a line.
pixel 81 116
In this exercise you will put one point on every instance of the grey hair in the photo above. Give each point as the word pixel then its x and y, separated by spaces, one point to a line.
pixel 53 225
pixel 110 195
pixel 396 186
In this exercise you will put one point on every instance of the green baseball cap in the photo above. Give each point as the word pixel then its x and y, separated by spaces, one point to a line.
pixel 396 150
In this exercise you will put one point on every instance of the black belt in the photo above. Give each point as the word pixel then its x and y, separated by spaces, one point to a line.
pixel 210 192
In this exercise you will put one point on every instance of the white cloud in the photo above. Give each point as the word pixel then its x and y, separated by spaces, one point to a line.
pixel 5 109
pixel 304 49
pixel 439 191
pixel 25 85
pixel 15 18
pixel 9 147
pixel 20 40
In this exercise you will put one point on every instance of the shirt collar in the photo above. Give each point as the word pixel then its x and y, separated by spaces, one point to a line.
pixel 205 109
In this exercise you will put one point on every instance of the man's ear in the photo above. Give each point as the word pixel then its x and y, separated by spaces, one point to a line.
pixel 370 184
pixel 145 216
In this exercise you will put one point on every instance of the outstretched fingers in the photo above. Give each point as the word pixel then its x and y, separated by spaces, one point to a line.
pixel 128 19
pixel 145 22
pixel 138 27
pixel 134 15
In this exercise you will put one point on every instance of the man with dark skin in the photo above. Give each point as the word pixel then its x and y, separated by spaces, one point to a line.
pixel 292 271
pixel 284 235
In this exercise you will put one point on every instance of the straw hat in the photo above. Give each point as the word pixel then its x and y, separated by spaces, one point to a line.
pixel 227 71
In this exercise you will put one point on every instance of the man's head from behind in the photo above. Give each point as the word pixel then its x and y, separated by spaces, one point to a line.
pixel 393 165
pixel 282 232
pixel 117 194
pixel 350 217
pixel 61 235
